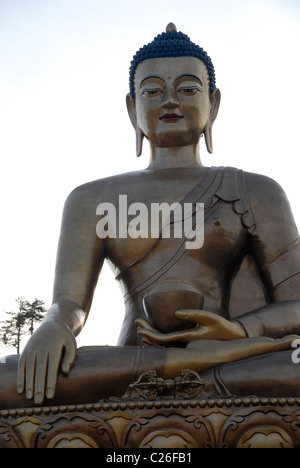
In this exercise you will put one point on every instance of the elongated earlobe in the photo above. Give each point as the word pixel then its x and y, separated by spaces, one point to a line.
pixel 215 104
pixel 130 102
pixel 208 137
pixel 139 141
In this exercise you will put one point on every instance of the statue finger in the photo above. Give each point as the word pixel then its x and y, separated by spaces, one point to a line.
pixel 201 317
pixel 144 324
pixel 53 369
pixel 40 378
pixel 156 337
pixel 30 375
pixel 68 357
pixel 168 338
pixel 149 342
pixel 21 374
pixel 192 315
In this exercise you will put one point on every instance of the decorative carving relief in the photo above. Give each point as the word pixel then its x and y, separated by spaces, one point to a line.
pixel 8 437
pixel 160 429
pixel 74 430
pixel 256 428
pixel 265 436
pixel 223 423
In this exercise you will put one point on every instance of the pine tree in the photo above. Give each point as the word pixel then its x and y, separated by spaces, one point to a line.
pixel 32 311
pixel 13 330
pixel 21 322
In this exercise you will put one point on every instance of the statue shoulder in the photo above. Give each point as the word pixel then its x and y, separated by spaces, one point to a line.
pixel 83 195
pixel 268 201
pixel 104 186
pixel 101 190
pixel 263 189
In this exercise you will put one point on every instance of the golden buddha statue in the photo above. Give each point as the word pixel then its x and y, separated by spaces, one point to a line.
pixel 177 299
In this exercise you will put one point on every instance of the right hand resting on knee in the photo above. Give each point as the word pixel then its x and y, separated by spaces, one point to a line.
pixel 50 349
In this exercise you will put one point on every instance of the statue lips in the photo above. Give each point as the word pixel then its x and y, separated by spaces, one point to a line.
pixel 171 117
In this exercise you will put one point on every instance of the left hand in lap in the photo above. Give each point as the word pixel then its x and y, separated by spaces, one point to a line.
pixel 209 326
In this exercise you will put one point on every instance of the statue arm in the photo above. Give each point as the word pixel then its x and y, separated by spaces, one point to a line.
pixel 79 260
pixel 80 257
pixel 277 255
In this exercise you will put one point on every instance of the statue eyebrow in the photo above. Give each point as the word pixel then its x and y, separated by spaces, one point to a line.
pixel 190 76
pixel 179 77
pixel 150 77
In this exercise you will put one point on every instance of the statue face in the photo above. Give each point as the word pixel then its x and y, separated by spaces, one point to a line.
pixel 173 102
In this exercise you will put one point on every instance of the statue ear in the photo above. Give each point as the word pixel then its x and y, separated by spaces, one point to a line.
pixel 130 102
pixel 215 99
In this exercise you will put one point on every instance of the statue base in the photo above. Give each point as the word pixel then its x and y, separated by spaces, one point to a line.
pixel 161 423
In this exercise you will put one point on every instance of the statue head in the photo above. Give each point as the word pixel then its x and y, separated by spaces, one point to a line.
pixel 173 98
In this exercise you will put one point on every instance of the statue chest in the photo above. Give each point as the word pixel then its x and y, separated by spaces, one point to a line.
pixel 141 262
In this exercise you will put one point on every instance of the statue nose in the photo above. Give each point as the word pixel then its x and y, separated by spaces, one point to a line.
pixel 170 101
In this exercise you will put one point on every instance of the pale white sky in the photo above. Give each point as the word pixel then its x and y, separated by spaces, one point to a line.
pixel 63 120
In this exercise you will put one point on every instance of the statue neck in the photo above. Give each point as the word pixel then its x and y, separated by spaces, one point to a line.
pixel 184 156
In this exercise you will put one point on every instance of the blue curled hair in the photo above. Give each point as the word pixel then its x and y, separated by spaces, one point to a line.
pixel 171 44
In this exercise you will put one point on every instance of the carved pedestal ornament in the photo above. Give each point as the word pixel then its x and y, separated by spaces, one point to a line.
pixel 150 386
pixel 157 424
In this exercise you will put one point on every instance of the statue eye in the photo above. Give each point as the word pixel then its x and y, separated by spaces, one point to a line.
pixel 151 92
pixel 189 91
